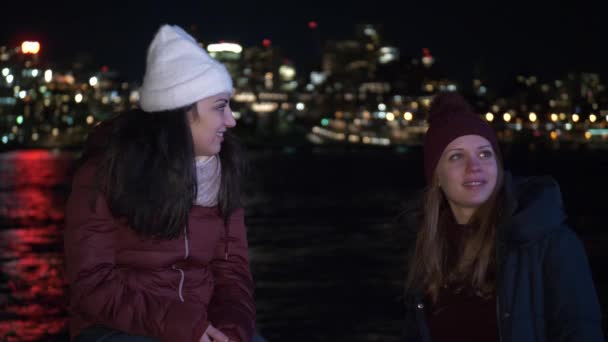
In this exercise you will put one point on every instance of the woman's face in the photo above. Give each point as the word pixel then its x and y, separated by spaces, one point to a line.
pixel 209 120
pixel 467 173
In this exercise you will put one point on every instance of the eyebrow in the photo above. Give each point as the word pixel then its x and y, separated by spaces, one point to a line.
pixel 221 100
pixel 462 149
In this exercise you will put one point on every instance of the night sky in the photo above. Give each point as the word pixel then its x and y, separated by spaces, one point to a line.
pixel 499 40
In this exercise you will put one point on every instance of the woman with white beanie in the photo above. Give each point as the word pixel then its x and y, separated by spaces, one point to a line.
pixel 155 242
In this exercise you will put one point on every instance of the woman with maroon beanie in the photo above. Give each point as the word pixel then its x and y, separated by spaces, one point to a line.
pixel 494 259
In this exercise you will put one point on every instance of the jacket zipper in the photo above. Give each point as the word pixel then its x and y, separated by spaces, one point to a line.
pixel 227 232
pixel 181 272
pixel 498 317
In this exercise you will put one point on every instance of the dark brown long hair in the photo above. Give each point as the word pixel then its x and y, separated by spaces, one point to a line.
pixel 147 171
pixel 428 266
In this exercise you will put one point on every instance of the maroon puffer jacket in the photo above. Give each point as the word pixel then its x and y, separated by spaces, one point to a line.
pixel 165 289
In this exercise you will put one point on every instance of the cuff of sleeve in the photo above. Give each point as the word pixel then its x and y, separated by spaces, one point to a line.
pixel 199 330
pixel 183 321
pixel 234 333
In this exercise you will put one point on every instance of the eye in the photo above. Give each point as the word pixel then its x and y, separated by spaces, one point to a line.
pixel 486 154
pixel 455 156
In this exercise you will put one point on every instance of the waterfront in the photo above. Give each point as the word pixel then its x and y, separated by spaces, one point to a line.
pixel 326 242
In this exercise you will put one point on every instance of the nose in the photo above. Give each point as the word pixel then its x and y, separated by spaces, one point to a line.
pixel 473 164
pixel 229 120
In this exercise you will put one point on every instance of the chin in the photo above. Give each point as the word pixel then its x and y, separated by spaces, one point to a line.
pixel 208 153
pixel 476 202
pixel 213 149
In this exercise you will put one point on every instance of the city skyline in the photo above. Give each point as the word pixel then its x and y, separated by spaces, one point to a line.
pixel 467 41
pixel 367 92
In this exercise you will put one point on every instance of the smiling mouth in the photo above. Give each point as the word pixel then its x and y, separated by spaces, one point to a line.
pixel 474 184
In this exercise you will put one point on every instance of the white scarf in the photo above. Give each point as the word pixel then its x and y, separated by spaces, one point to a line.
pixel 208 179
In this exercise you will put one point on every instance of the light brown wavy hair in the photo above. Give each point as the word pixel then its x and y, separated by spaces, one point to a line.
pixel 428 266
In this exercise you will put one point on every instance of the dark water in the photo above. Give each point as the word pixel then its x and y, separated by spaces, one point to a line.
pixel 32 196
pixel 326 246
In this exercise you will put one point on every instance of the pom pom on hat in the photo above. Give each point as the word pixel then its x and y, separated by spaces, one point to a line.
pixel 447 104
pixel 179 72
pixel 451 117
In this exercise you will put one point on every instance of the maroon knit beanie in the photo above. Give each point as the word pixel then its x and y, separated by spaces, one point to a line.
pixel 450 117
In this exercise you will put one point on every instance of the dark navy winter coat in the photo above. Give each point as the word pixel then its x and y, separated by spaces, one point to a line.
pixel 544 286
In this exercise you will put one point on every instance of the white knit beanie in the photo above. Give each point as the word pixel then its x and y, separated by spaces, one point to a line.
pixel 179 72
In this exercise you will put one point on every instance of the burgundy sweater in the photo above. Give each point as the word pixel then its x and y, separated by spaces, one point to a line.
pixel 460 314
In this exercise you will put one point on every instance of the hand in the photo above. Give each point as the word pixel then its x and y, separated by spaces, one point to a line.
pixel 213 335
